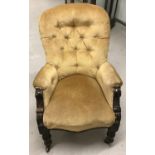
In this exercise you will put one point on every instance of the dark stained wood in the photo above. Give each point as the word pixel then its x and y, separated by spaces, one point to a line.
pixel 46 132
pixel 106 4
pixel 93 1
pixel 111 7
pixel 85 1
pixel 116 8
pixel 72 1
pixel 39 111
pixel 117 110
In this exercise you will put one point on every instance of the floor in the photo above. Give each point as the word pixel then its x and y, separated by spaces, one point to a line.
pixel 87 143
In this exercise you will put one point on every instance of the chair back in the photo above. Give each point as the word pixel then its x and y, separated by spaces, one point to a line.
pixel 75 38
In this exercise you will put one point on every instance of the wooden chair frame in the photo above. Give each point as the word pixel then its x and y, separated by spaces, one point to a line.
pixel 84 1
pixel 46 132
pixel 116 100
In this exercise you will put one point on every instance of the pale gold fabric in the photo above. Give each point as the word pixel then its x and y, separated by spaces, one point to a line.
pixel 46 79
pixel 75 38
pixel 108 78
pixel 77 104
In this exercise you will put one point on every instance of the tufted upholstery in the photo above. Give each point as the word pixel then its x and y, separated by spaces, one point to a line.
pixel 75 38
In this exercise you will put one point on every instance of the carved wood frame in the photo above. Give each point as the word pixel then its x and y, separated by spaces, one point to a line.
pixel 117 110
pixel 39 112
pixel 46 132
pixel 84 1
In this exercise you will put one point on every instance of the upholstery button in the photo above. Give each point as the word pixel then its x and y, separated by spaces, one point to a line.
pixel 98 66
pixel 75 48
pixel 56 66
pixel 96 36
pixel 66 37
pixel 53 36
pixel 73 24
pixel 58 25
pixel 61 48
pixel 89 49
pixel 76 65
pixel 82 36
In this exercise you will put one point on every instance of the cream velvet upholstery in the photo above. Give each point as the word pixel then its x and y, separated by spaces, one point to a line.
pixel 77 79
pixel 46 79
pixel 77 104
pixel 75 38
pixel 108 78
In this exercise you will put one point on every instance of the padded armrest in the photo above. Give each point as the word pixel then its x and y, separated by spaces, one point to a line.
pixel 45 77
pixel 109 75
pixel 108 78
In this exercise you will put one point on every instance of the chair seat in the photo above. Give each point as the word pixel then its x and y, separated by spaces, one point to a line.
pixel 78 104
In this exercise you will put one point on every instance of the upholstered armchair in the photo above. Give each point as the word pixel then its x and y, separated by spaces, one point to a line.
pixel 77 89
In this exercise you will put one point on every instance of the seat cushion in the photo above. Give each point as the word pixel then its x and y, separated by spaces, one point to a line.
pixel 77 104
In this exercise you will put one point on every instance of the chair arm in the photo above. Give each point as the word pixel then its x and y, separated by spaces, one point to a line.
pixel 108 79
pixel 45 77
pixel 109 75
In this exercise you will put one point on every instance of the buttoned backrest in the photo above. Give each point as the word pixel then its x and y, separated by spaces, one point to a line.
pixel 75 38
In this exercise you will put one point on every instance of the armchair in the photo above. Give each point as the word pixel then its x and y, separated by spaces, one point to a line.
pixel 77 89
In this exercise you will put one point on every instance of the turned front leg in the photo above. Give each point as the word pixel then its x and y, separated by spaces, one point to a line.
pixel 40 111
pixel 117 110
